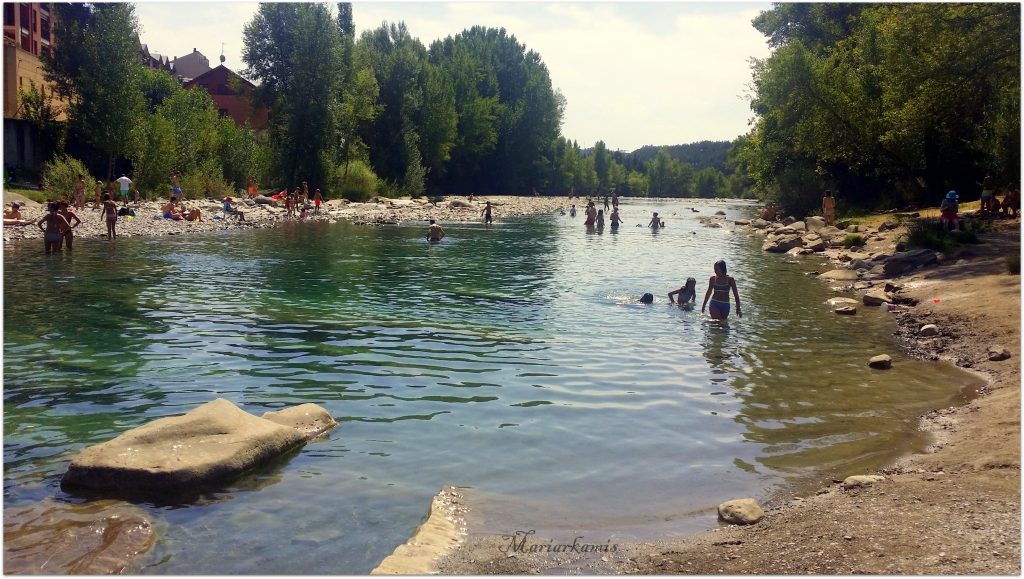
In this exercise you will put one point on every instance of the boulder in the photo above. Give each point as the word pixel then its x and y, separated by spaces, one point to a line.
pixel 309 419
pixel 103 537
pixel 905 261
pixel 798 226
pixel 892 287
pixel 459 204
pixel 886 226
pixel 813 243
pixel 719 212
pixel 860 264
pixel 814 223
pixel 829 231
pixel 759 223
pixel 846 310
pixel 853 255
pixel 997 353
pixel 212 443
pixel 928 330
pixel 740 511
pixel 840 275
pixel 789 220
pixel 782 243
pixel 841 302
pixel 876 298
pixel 861 480
pixel 784 230
pixel 843 224
pixel 862 285
pixel 796 251
pixel 742 222
pixel 882 362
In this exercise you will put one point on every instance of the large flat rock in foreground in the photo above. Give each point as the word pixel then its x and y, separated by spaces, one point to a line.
pixel 213 443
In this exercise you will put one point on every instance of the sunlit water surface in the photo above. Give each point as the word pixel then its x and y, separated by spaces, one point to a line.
pixel 512 359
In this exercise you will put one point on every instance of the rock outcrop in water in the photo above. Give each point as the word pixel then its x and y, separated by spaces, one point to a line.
pixel 213 443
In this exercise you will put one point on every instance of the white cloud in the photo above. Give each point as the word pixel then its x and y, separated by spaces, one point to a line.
pixel 656 73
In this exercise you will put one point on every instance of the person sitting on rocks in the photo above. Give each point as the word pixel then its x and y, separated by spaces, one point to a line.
pixel 948 210
pixel 1011 203
pixel 13 216
pixel 189 214
pixel 170 211
pixel 230 209
pixel 768 213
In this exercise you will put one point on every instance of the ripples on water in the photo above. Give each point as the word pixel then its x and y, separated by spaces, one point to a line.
pixel 513 359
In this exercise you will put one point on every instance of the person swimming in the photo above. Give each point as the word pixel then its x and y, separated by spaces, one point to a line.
pixel 718 292
pixel 647 298
pixel 435 233
pixel 687 294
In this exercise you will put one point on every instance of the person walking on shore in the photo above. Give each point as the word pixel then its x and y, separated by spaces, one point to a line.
pixel 487 213
pixel 110 212
pixel 176 186
pixel 317 200
pixel 53 225
pixel 98 193
pixel 80 192
pixel 253 190
pixel 828 207
pixel 718 293
pixel 125 184
pixel 988 193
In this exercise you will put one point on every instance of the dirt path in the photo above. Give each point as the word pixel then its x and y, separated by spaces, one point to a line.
pixel 954 509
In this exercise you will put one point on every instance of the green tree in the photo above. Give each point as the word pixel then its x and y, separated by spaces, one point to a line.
pixel 38 108
pixel 95 69
pixel 296 53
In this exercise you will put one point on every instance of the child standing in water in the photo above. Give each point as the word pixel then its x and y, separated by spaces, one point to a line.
pixel 615 219
pixel 655 222
pixel 718 292
pixel 687 294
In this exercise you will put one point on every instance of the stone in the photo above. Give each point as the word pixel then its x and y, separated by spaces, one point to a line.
pixel 309 419
pixel 759 223
pixel 459 204
pixel 892 287
pixel 212 443
pixel 719 212
pixel 846 310
pixel 882 362
pixel 860 264
pixel 789 220
pixel 742 222
pixel 841 302
pixel 840 275
pixel 843 224
pixel 813 243
pixel 876 298
pixel 740 511
pixel 861 480
pixel 798 226
pixel 796 251
pixel 928 330
pixel 886 226
pixel 102 537
pixel 904 261
pixel 785 230
pixel 901 246
pixel 863 285
pixel 781 244
pixel 997 353
pixel 814 223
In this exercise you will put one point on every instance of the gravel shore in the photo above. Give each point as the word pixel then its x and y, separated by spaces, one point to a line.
pixel 382 211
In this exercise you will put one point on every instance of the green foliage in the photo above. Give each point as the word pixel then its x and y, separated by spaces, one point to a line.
pixel 153 153
pixel 356 182
pixel 936 236
pixel 38 108
pixel 243 154
pixel 886 102
pixel 667 177
pixel 157 86
pixel 61 174
pixel 205 181
pixel 852 240
pixel 95 68
pixel 698 155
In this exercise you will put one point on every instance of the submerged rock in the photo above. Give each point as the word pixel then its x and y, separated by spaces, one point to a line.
pixel 740 511
pixel 212 443
pixel 96 538
pixel 846 310
pixel 882 362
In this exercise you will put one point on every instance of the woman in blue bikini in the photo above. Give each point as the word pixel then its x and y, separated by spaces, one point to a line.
pixel 718 292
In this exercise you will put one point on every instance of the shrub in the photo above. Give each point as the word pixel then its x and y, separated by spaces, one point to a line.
pixel 1013 264
pixel 932 235
pixel 60 175
pixel 852 240
pixel 205 181
pixel 358 183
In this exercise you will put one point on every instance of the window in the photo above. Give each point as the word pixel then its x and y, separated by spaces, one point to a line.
pixel 8 14
pixel 26 41
pixel 44 28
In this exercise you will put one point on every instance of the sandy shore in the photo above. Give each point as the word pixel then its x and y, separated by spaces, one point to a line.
pixel 383 211
pixel 954 509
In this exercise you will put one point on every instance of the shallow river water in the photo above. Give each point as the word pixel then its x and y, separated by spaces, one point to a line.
pixel 511 359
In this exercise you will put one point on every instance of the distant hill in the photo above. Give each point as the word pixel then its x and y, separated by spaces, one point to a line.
pixel 697 155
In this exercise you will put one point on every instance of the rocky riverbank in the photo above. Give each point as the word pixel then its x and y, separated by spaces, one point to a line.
pixel 147 220
pixel 953 509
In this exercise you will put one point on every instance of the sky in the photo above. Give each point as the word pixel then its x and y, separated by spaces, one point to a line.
pixel 633 73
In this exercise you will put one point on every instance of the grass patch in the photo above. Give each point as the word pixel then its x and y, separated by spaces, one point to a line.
pixel 929 234
pixel 852 240
pixel 32 194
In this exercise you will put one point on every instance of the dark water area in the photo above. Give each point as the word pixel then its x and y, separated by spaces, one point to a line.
pixel 512 359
